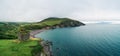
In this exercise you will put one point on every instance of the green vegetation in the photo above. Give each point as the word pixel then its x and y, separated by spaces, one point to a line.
pixel 16 48
pixel 20 31
pixel 53 21
pixel 10 30
pixel 37 50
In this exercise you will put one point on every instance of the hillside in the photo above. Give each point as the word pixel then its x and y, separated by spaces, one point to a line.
pixel 9 30
pixel 21 31
pixel 53 22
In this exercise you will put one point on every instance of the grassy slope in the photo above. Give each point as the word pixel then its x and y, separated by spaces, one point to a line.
pixel 42 24
pixel 13 48
pixel 51 21
pixel 8 30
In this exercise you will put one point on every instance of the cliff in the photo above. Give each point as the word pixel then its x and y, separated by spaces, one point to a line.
pixel 54 22
pixel 50 23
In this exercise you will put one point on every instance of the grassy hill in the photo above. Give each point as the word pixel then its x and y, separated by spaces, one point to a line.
pixel 9 30
pixel 9 46
pixel 53 21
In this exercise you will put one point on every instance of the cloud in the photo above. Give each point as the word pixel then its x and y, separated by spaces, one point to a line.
pixel 36 10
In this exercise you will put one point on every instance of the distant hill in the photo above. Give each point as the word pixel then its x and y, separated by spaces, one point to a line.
pixel 53 22
pixel 9 30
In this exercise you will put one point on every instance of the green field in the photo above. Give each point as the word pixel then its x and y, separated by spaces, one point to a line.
pixel 9 32
pixel 16 48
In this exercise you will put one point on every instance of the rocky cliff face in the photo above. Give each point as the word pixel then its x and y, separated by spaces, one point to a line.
pixel 71 23
pixel 63 22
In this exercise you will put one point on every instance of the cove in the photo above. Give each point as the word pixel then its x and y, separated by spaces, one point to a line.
pixel 89 40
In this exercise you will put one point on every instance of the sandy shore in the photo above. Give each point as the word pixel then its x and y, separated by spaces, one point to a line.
pixel 34 32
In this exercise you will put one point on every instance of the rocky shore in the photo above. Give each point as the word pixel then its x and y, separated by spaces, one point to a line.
pixel 27 31
pixel 47 51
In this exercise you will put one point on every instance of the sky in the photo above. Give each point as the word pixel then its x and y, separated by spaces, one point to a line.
pixel 37 10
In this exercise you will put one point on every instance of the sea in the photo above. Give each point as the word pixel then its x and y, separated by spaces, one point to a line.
pixel 88 40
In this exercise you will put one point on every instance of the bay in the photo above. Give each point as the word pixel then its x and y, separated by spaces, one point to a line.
pixel 88 40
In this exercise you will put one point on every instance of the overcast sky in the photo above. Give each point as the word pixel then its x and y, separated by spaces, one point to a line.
pixel 82 10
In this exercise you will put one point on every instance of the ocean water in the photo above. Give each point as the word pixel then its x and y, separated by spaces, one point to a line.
pixel 89 40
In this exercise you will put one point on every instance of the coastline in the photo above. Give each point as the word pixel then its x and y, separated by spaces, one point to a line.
pixel 34 32
pixel 44 43
pixel 47 51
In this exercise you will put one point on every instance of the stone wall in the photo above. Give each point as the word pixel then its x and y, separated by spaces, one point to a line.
pixel 23 37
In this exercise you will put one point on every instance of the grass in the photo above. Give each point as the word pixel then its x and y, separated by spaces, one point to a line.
pixel 52 22
pixel 16 48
